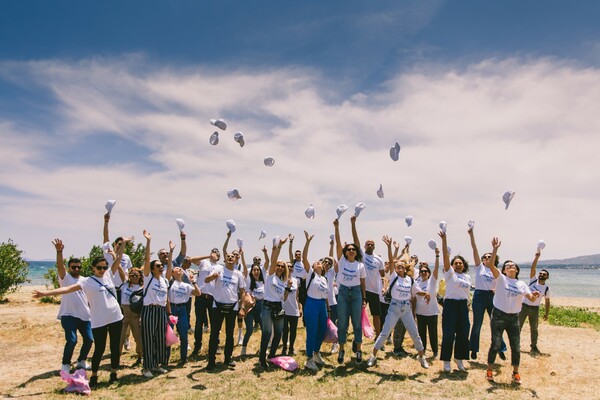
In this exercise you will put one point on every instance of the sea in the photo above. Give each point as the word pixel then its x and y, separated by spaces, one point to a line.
pixel 565 281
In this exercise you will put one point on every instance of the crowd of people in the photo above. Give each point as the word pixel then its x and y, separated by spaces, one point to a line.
pixel 275 294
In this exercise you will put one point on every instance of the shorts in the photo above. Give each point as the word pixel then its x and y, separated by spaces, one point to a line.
pixel 373 301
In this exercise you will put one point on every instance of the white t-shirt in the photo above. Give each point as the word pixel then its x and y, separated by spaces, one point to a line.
pixel 319 287
pixel 299 271
pixel 457 285
pixel 543 289
pixel 509 294
pixel 350 273
pixel 404 288
pixel 332 287
pixel 157 291
pixel 429 286
pixel 228 285
pixel 259 291
pixel 290 305
pixel 102 297
pixel 373 265
pixel 274 288
pixel 180 292
pixel 126 292
pixel 484 279
pixel 73 304
pixel 206 268
pixel 125 264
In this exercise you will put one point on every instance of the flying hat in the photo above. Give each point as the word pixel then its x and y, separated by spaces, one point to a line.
pixel 239 137
pixel 341 209
pixel 214 139
pixel 230 225
pixel 310 212
pixel 109 205
pixel 180 223
pixel 219 123
pixel 408 220
pixel 507 198
pixel 380 191
pixel 443 226
pixel 358 209
pixel 233 194
pixel 395 152
pixel 263 234
pixel 269 161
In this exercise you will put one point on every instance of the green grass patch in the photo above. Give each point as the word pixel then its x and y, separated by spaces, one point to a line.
pixel 575 317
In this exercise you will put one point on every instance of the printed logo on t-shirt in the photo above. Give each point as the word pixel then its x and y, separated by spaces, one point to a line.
pixel 348 274
pixel 463 282
pixel 277 285
pixel 370 263
pixel 513 290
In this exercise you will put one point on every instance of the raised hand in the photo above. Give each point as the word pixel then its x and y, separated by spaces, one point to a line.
pixel 336 223
pixel 264 249
pixel 171 245
pixel 387 240
pixel 308 237
pixel 147 235
pixel 106 217
pixel 496 243
pixel 396 245
pixel 442 235
pixel 58 245
pixel 291 237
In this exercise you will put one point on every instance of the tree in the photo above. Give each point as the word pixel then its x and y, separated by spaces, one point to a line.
pixel 13 268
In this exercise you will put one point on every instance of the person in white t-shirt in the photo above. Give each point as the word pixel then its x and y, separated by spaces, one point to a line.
pixel 455 314
pixel 531 309
pixel 131 320
pixel 155 310
pixel 508 299
pixel 255 284
pixel 352 298
pixel 105 312
pixel 401 290
pixel 180 293
pixel 427 311
pixel 74 312
pixel 292 309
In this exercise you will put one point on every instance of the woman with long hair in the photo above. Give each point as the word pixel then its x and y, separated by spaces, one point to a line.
pixel 256 287
pixel 180 293
pixel 131 319
pixel 427 311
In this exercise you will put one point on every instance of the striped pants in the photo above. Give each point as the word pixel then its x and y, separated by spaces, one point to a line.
pixel 154 329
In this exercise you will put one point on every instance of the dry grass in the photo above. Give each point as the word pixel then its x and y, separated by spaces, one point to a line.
pixel 31 343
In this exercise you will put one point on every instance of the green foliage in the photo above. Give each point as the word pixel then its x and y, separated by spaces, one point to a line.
pixel 574 317
pixel 13 268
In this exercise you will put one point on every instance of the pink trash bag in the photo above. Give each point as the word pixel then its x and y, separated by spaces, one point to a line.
pixel 171 336
pixel 285 362
pixel 77 381
pixel 367 328
pixel 331 334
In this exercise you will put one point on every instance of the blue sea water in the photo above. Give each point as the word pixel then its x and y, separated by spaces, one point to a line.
pixel 565 281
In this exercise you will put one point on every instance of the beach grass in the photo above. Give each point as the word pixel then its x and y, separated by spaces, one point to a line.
pixel 574 317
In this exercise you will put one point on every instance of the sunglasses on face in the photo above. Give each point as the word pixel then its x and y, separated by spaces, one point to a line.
pixel 134 276
pixel 423 271
pixel 102 268
pixel 75 266
pixel 162 254
pixel 486 257
pixel 351 249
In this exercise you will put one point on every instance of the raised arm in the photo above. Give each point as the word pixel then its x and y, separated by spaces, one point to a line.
pixel 354 231
pixel 396 249
pixel 183 250
pixel 338 243
pixel 245 271
pixel 196 260
pixel 147 253
pixel 437 264
pixel 388 242
pixel 226 244
pixel 105 237
pixel 54 292
pixel 474 247
pixel 495 245
pixel 266 264
pixel 274 256
pixel 305 251
pixel 60 261
pixel 331 248
pixel 445 251
pixel 117 261
pixel 290 247
pixel 534 263
pixel 170 261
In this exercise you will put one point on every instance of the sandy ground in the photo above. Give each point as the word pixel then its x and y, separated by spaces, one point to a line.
pixel 31 342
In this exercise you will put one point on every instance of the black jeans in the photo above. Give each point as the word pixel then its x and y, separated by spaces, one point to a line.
pixel 215 328
pixel 455 330
pixel 428 323
pixel 501 322
pixel 202 306
pixel 290 327
pixel 114 330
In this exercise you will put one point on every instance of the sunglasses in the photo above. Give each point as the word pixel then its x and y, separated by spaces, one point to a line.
pixel 75 266
pixel 102 268
pixel 423 271
pixel 134 276
pixel 351 249
pixel 486 257
pixel 163 254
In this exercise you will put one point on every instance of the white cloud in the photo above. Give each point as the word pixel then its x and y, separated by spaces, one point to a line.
pixel 467 136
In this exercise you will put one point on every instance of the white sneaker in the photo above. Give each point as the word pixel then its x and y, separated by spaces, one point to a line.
pixel 335 348
pixel 423 362
pixel 148 374
pixel 127 344
pixel 317 358
pixel 240 341
pixel 447 367
pixel 160 370
pixel 372 361
pixel 66 368
pixel 83 365
pixel 243 352
pixel 312 365
pixel 205 329
pixel 460 366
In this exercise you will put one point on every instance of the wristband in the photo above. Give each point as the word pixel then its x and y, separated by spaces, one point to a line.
pixel 287 289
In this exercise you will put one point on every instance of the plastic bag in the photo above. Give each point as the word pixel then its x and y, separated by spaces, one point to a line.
pixel 171 336
pixel 285 362
pixel 367 328
pixel 331 334
pixel 77 381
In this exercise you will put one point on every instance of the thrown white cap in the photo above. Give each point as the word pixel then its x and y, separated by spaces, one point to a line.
pixel 230 225
pixel 471 224
pixel 180 223
pixel 233 194
pixel 276 240
pixel 219 123
pixel 443 226
pixel 214 139
pixel 408 219
pixel 380 191
pixel 269 161
pixel 541 244
pixel 358 209
pixel 106 247
pixel 109 205
pixel 239 137
pixel 432 244
pixel 341 209
pixel 507 198
pixel 331 237
pixel 240 243
pixel 263 234
pixel 449 250
pixel 310 212
pixel 395 152
pixel 408 240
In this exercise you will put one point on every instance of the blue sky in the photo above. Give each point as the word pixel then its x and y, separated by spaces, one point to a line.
pixel 112 99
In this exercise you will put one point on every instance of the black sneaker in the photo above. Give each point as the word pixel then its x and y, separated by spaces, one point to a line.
pixel 341 355
pixel 354 347
pixel 535 351
pixel 473 355
pixel 400 352
pixel 230 364
pixel 195 352
pixel 93 381
pixel 113 378
pixel 181 363
pixel 358 357
pixel 264 364
pixel 210 366
pixel 502 355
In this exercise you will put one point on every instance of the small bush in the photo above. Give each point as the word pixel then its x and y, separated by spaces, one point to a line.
pixel 574 317
pixel 13 268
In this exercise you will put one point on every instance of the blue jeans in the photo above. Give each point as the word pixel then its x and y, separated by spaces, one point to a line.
pixel 269 325
pixel 249 320
pixel 349 306
pixel 315 316
pixel 71 325
pixel 399 310
pixel 455 330
pixel 180 311
pixel 483 300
